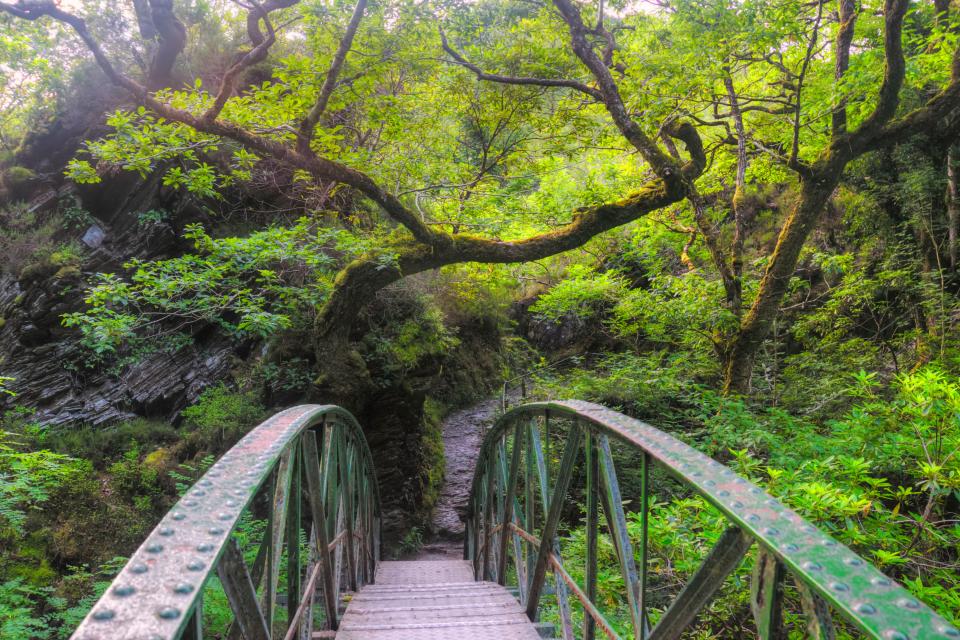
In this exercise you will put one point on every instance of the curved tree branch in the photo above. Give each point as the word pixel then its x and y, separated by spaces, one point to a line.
pixel 173 38
pixel 660 162
pixel 847 13
pixel 309 124
pixel 522 81
pixel 256 55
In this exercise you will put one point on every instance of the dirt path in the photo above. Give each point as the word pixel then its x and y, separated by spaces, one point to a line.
pixel 462 435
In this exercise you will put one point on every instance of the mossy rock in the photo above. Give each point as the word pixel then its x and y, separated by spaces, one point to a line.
pixel 30 562
pixel 37 271
pixel 17 176
pixel 160 460
pixel 68 272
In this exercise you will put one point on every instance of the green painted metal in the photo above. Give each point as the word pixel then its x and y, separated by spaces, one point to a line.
pixel 158 594
pixel 829 575
pixel 590 570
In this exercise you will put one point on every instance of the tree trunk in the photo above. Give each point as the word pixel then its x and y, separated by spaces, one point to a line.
pixel 738 357
pixel 953 209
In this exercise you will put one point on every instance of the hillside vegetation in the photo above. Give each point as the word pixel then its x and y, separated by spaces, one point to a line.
pixel 735 219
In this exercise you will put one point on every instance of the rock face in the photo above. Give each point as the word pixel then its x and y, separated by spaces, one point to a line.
pixel 44 358
pixel 463 433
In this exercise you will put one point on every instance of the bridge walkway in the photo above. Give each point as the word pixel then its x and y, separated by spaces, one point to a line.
pixel 433 600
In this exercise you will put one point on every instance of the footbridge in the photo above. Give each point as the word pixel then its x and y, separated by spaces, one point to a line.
pixel 280 539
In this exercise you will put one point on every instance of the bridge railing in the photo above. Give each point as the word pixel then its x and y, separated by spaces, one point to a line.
pixel 519 498
pixel 306 472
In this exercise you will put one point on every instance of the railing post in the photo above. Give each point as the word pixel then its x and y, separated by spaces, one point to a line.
pixel 766 596
pixel 593 479
pixel 311 460
pixel 346 483
pixel 617 521
pixel 293 536
pixel 553 519
pixel 506 534
pixel 241 595
pixel 488 520
pixel 644 540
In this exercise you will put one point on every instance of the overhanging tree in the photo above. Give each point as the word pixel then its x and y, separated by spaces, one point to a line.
pixel 599 74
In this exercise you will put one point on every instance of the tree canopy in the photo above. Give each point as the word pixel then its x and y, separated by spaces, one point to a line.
pixel 499 132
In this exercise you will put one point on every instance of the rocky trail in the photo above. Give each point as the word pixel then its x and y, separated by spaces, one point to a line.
pixel 463 432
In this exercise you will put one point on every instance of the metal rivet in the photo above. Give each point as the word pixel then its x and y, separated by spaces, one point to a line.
pixel 224 516
pixel 195 565
pixel 892 634
pixel 154 548
pixel 881 582
pixel 753 517
pixel 909 604
pixel 812 566
pixel 723 494
pixel 854 562
pixel 791 547
pixel 123 590
pixel 952 633
pixel 183 587
pixel 736 504
pixel 138 568
pixel 206 547
pixel 829 543
pixel 866 609
pixel 169 613
pixel 103 614
pixel 772 531
pixel 214 531
pixel 710 483
pixel 166 532
pixel 179 516
pixel 199 493
pixel 205 483
pixel 231 503
pixel 189 503
pixel 839 586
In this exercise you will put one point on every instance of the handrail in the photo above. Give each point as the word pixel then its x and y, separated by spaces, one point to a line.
pixel 273 472
pixel 508 504
pixel 523 377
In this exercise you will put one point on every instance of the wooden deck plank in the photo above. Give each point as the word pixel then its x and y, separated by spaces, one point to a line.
pixel 433 600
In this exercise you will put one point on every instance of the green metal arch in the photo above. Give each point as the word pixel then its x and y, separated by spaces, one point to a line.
pixel 863 595
pixel 155 594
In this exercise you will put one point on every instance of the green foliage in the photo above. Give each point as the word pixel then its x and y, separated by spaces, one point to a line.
pixel 28 237
pixel 248 287
pixel 74 216
pixel 220 416
pixel 411 542
pixel 882 478
pixel 17 614
pixel 415 333
pixel 152 216
pixel 27 478
pixel 583 293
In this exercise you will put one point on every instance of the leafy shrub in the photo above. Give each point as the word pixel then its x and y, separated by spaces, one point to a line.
pixel 220 416
pixel 583 293
pixel 883 478
pixel 27 237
